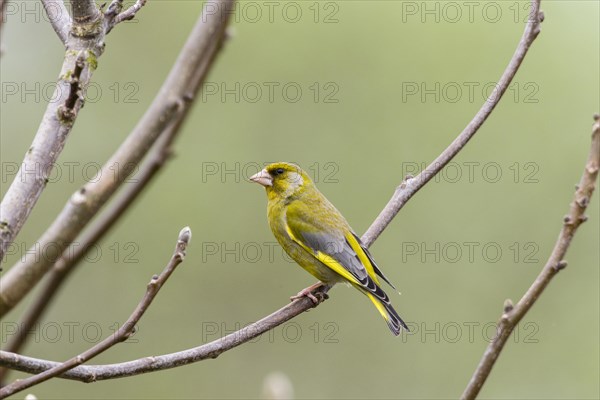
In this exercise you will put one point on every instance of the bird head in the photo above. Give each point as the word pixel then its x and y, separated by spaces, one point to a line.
pixel 282 179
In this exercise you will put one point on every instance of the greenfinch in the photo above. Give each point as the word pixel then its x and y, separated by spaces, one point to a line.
pixel 315 235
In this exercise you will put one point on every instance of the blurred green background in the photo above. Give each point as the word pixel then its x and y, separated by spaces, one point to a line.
pixel 364 92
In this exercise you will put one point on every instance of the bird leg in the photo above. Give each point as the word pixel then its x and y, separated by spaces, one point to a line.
pixel 307 293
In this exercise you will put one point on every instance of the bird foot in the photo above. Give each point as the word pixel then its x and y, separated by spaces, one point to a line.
pixel 308 293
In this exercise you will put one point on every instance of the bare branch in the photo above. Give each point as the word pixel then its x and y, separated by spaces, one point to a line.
pixel 122 334
pixel 85 42
pixel 130 12
pixel 513 314
pixel 59 18
pixel 411 185
pixel 170 106
pixel 93 373
pixel 48 143
pixel 114 16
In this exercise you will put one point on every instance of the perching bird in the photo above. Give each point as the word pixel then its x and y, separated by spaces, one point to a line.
pixel 315 235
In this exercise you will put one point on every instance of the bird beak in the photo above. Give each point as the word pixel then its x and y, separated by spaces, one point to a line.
pixel 262 178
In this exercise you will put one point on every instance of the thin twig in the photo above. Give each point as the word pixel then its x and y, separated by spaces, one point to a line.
pixel 411 185
pixel 170 106
pixel 59 18
pixel 130 12
pixel 513 314
pixel 122 334
pixel 114 16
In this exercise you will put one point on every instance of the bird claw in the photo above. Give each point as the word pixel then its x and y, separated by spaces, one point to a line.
pixel 306 293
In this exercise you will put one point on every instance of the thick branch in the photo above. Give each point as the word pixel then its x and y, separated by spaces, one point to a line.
pixel 169 107
pixel 411 185
pixel 122 334
pixel 513 314
pixel 51 136
pixel 84 45
pixel 59 18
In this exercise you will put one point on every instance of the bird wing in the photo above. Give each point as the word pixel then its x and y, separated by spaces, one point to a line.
pixel 370 258
pixel 341 251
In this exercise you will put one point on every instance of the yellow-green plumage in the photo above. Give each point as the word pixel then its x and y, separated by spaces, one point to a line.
pixel 316 235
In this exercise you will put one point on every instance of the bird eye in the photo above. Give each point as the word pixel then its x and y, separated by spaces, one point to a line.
pixel 278 171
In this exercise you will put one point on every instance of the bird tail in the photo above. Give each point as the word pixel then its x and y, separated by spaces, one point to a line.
pixel 388 313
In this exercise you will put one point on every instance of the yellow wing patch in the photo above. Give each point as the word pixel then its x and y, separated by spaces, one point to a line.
pixel 326 259
pixel 362 257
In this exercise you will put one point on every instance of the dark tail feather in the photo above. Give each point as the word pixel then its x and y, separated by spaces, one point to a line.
pixel 389 314
pixel 394 321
